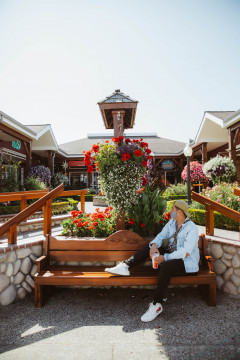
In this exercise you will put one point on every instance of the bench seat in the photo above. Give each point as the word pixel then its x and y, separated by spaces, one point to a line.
pixel 116 247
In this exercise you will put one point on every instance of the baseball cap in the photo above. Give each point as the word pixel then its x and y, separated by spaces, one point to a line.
pixel 183 206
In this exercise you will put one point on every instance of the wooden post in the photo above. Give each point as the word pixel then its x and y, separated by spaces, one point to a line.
pixel 82 199
pixel 12 234
pixel 204 153
pixel 23 203
pixel 209 220
pixel 120 222
pixel 47 218
pixel 118 122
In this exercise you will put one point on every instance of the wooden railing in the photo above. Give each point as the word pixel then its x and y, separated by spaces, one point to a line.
pixel 23 196
pixel 212 206
pixel 10 227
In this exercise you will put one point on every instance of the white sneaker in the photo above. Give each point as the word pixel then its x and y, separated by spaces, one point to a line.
pixel 119 269
pixel 152 312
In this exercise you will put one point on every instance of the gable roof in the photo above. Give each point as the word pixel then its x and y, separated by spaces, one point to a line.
pixel 116 97
pixel 220 114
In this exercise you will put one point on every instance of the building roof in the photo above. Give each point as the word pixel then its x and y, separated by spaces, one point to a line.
pixel 116 97
pixel 37 128
pixel 158 145
pixel 220 114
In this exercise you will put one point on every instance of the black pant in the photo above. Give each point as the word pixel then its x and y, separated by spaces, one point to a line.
pixel 167 269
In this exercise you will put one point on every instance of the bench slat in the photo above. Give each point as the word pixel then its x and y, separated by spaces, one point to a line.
pixel 90 255
pixel 93 276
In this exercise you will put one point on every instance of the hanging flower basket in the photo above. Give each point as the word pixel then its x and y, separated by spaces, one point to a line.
pixel 122 165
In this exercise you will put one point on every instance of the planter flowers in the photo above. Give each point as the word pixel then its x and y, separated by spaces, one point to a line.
pixel 196 173
pixel 220 169
pixel 122 165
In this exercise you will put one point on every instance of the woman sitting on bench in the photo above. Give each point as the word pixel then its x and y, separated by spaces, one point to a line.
pixel 177 247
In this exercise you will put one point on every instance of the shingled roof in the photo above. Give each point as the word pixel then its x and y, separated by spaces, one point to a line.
pixel 158 145
pixel 220 114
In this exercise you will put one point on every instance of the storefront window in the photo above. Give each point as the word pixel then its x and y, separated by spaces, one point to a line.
pixel 79 180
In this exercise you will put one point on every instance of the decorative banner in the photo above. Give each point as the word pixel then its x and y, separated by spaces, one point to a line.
pixel 16 144
pixel 167 164
pixel 76 163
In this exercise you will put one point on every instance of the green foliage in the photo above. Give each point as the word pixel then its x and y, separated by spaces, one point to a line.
pixel 175 197
pixel 88 198
pixel 10 209
pixel 32 183
pixel 175 190
pixel 58 179
pixel 91 191
pixel 220 221
pixel 11 183
pixel 60 208
pixel 223 194
pixel 97 224
pixel 147 212
pixel 73 203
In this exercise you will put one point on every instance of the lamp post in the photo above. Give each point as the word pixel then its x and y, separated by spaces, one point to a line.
pixel 188 153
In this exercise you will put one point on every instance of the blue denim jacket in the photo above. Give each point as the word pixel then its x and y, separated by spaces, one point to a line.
pixel 187 242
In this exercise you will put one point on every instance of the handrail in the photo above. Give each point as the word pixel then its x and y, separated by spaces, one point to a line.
pixel 10 226
pixel 22 196
pixel 212 205
pixel 236 191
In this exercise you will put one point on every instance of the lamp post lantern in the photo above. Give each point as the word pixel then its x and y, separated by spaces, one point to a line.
pixel 188 153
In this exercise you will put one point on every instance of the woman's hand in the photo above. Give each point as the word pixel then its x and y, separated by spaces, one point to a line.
pixel 160 259
pixel 153 249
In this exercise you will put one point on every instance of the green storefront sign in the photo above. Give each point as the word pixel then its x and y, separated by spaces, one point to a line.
pixel 16 144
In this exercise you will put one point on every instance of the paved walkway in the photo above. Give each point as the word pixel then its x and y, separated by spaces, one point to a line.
pixel 87 324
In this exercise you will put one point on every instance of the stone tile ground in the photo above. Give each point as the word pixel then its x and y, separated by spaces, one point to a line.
pixel 105 324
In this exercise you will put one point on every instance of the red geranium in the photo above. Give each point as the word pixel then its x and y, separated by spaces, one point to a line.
pixel 144 163
pixel 116 140
pixel 148 151
pixel 142 225
pixel 95 223
pixel 90 169
pixel 126 156
pixel 144 181
pixel 127 141
pixel 137 153
pixel 95 148
pixel 131 221
pixel 120 137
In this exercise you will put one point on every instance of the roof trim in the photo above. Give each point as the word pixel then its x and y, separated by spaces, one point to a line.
pixel 9 121
pixel 227 121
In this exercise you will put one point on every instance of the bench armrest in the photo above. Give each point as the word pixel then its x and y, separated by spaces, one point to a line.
pixel 210 262
pixel 42 262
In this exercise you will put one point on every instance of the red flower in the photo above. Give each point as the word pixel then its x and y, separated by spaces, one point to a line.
pixel 87 160
pixel 80 224
pixel 135 141
pixel 90 227
pixel 160 222
pixel 90 169
pixel 95 147
pixel 142 225
pixel 95 223
pixel 144 181
pixel 144 164
pixel 116 140
pixel 126 156
pixel 107 141
pixel 127 141
pixel 120 138
pixel 148 151
pixel 137 153
pixel 131 221
pixel 85 223
pixel 149 157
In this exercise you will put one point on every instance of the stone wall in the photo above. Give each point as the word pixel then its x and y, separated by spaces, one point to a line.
pixel 17 269
pixel 226 265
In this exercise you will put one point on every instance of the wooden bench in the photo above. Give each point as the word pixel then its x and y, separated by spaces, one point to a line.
pixel 119 246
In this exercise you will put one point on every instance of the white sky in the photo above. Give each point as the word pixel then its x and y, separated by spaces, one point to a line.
pixel 178 58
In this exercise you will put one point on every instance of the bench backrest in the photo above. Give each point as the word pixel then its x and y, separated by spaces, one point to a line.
pixel 117 247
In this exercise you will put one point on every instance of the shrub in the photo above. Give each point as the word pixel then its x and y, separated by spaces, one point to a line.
pixel 223 194
pixel 58 179
pixel 220 221
pixel 60 208
pixel 196 173
pixel 10 209
pixel 32 183
pixel 42 173
pixel 172 190
pixel 91 191
pixel 220 168
pixel 145 216
pixel 10 182
pixel 97 224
